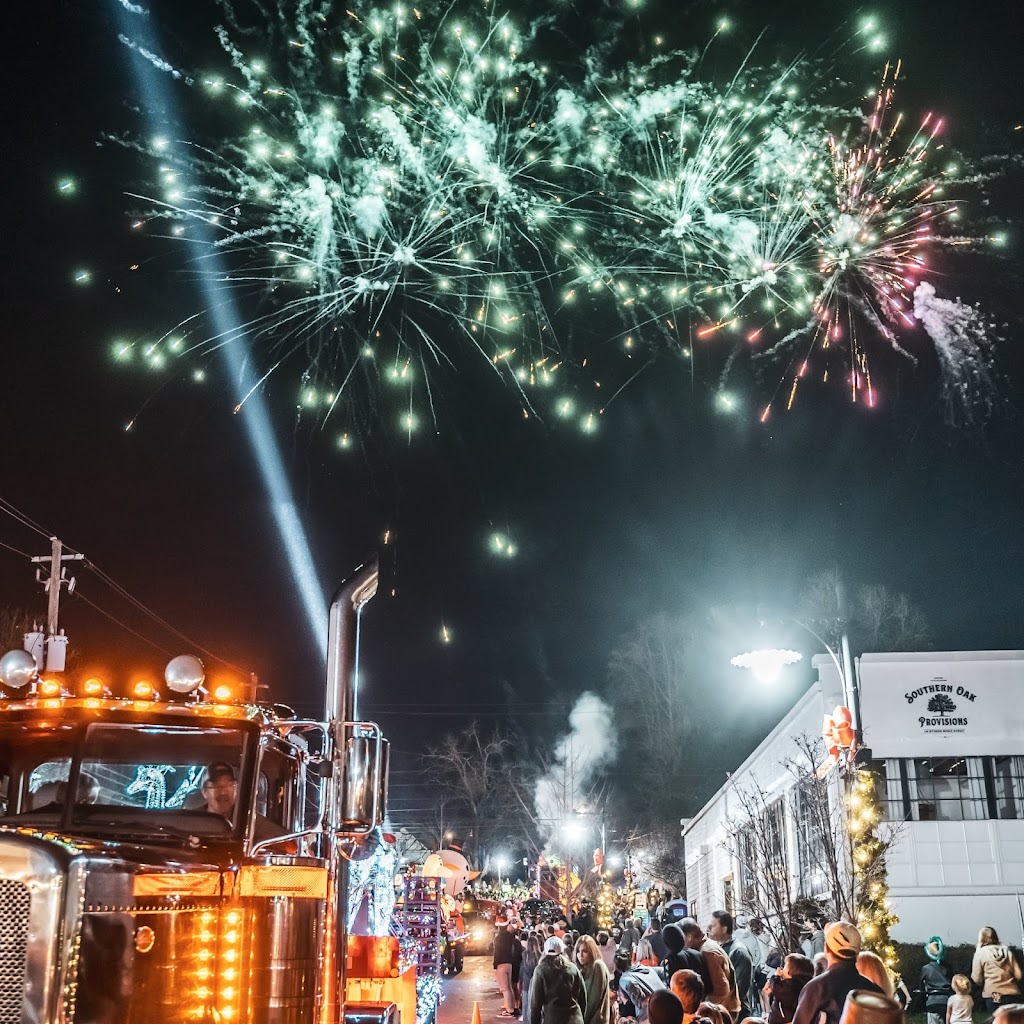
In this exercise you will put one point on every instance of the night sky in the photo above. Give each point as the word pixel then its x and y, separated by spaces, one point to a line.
pixel 669 507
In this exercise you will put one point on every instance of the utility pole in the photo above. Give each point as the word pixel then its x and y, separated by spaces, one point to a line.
pixel 56 643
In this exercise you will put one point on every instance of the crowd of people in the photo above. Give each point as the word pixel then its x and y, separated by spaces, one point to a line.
pixel 683 973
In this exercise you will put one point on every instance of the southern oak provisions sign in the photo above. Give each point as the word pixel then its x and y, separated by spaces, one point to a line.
pixel 961 703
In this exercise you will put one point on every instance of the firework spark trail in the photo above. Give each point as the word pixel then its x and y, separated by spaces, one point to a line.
pixel 963 337
pixel 394 187
pixel 412 197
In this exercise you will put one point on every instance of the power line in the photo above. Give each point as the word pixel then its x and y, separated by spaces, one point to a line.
pixel 159 620
pixel 15 513
pixel 17 551
pixel 25 520
pixel 123 625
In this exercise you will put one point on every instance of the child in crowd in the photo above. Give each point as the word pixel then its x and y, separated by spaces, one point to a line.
pixel 960 1006
pixel 785 988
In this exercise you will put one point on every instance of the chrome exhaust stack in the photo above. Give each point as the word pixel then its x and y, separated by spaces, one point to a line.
pixel 342 641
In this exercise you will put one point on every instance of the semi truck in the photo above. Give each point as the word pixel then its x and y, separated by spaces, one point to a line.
pixel 175 854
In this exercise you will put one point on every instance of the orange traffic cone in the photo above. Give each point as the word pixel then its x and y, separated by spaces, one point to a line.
pixel 476 1014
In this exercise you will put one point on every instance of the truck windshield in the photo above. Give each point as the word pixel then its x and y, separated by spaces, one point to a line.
pixel 155 780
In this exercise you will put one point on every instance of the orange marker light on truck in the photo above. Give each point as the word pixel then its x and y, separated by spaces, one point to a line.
pixel 49 688
pixel 143 690
pixel 222 693
pixel 93 687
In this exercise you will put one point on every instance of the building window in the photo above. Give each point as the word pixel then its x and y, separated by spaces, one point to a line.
pixel 947 789
pixel 746 855
pixel 1007 787
pixel 891 786
pixel 810 848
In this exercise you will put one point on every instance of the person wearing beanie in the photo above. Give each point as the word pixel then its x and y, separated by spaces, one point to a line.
pixel 682 959
pixel 823 998
pixel 936 981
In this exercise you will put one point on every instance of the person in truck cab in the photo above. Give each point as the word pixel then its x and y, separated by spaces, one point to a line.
pixel 220 791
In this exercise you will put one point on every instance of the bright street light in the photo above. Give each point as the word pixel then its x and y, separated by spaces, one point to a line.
pixel 574 830
pixel 500 863
pixel 766 664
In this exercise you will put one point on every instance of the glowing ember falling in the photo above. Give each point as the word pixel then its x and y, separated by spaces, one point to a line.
pixel 394 188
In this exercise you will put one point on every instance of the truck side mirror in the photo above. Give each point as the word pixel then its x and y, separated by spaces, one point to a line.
pixel 360 771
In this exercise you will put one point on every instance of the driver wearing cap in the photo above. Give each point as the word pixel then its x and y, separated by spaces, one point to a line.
pixel 220 791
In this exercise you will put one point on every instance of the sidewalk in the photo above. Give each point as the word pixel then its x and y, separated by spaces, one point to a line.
pixel 475 983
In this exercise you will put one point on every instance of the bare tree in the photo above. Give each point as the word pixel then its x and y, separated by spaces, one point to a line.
pixel 820 815
pixel 652 686
pixel 842 847
pixel 887 621
pixel 657 854
pixel 878 618
pixel 469 771
pixel 14 623
pixel 756 838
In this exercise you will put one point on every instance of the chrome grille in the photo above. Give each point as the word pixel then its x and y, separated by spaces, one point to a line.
pixel 15 903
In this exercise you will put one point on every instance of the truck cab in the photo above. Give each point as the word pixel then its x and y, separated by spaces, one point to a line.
pixel 179 860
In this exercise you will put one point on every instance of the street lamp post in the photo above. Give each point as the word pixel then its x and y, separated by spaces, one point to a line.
pixel 767 664
pixel 500 863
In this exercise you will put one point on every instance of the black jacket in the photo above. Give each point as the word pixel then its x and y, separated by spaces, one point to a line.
pixel 935 984
pixel 503 940
pixel 686 960
pixel 826 994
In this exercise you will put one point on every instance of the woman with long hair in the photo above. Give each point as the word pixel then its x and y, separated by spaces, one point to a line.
pixel 557 992
pixel 531 957
pixel 873 968
pixel 595 981
pixel 644 954
pixel 996 969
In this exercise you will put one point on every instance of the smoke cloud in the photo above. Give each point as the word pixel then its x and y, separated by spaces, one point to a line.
pixel 580 756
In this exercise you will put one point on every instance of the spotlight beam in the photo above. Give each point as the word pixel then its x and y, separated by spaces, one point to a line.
pixel 227 323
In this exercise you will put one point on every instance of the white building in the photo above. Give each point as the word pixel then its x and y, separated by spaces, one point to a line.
pixel 948 730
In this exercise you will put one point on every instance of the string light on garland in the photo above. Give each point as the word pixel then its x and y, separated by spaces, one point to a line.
pixel 875 918
pixel 605 902
pixel 428 996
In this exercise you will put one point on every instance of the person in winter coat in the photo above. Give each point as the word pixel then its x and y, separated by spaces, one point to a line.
pixel 680 958
pixel 595 980
pixel 723 989
pixel 720 928
pixel 557 992
pixel 517 967
pixel 630 936
pixel 785 986
pixel 996 969
pixel 644 954
pixel 531 957
pixel 637 985
pixel 607 947
pixel 936 981
pixel 822 999
pixel 503 956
